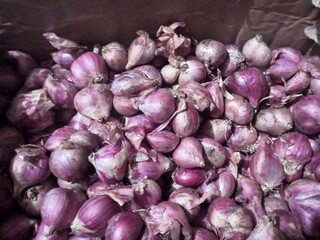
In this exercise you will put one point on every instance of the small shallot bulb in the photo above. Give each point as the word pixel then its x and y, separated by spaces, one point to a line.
pixel 303 198
pixel 223 185
pixel 239 110
pixel 56 211
pixel 191 69
pixel 211 52
pixel 89 68
pixel 298 83
pixel 281 70
pixel 217 129
pixel 60 91
pixel 276 96
pixel 115 55
pixel 187 122
pixel 274 121
pixel 288 223
pixel 94 101
pixel 151 73
pixel 36 79
pixel 30 166
pixel 294 151
pixel 170 73
pixel 189 177
pixel 189 153
pixel 147 192
pixel 242 138
pixel 141 50
pixel 31 111
pixel 197 95
pixel 265 166
pixel 124 105
pixel 65 58
pixel 121 227
pixel 217 97
pixel 69 162
pixel 230 220
pixel 163 141
pixel 158 106
pixel 92 218
pixel 305 114
pixel 58 136
pixel 256 52
pixel 249 83
pixel 111 161
pixel 214 153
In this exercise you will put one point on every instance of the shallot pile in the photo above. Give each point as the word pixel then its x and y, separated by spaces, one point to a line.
pixel 168 138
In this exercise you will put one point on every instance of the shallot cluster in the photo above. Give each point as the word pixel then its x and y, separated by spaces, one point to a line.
pixel 167 138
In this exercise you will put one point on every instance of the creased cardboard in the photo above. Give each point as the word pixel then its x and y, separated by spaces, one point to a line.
pixel 281 22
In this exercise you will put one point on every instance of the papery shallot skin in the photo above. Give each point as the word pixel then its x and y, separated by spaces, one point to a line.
pixel 168 219
pixel 111 161
pixel 266 229
pixel 229 219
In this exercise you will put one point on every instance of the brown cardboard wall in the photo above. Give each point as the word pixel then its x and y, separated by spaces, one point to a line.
pixel 281 22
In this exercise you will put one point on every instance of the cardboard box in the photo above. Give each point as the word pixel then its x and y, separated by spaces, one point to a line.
pixel 281 22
